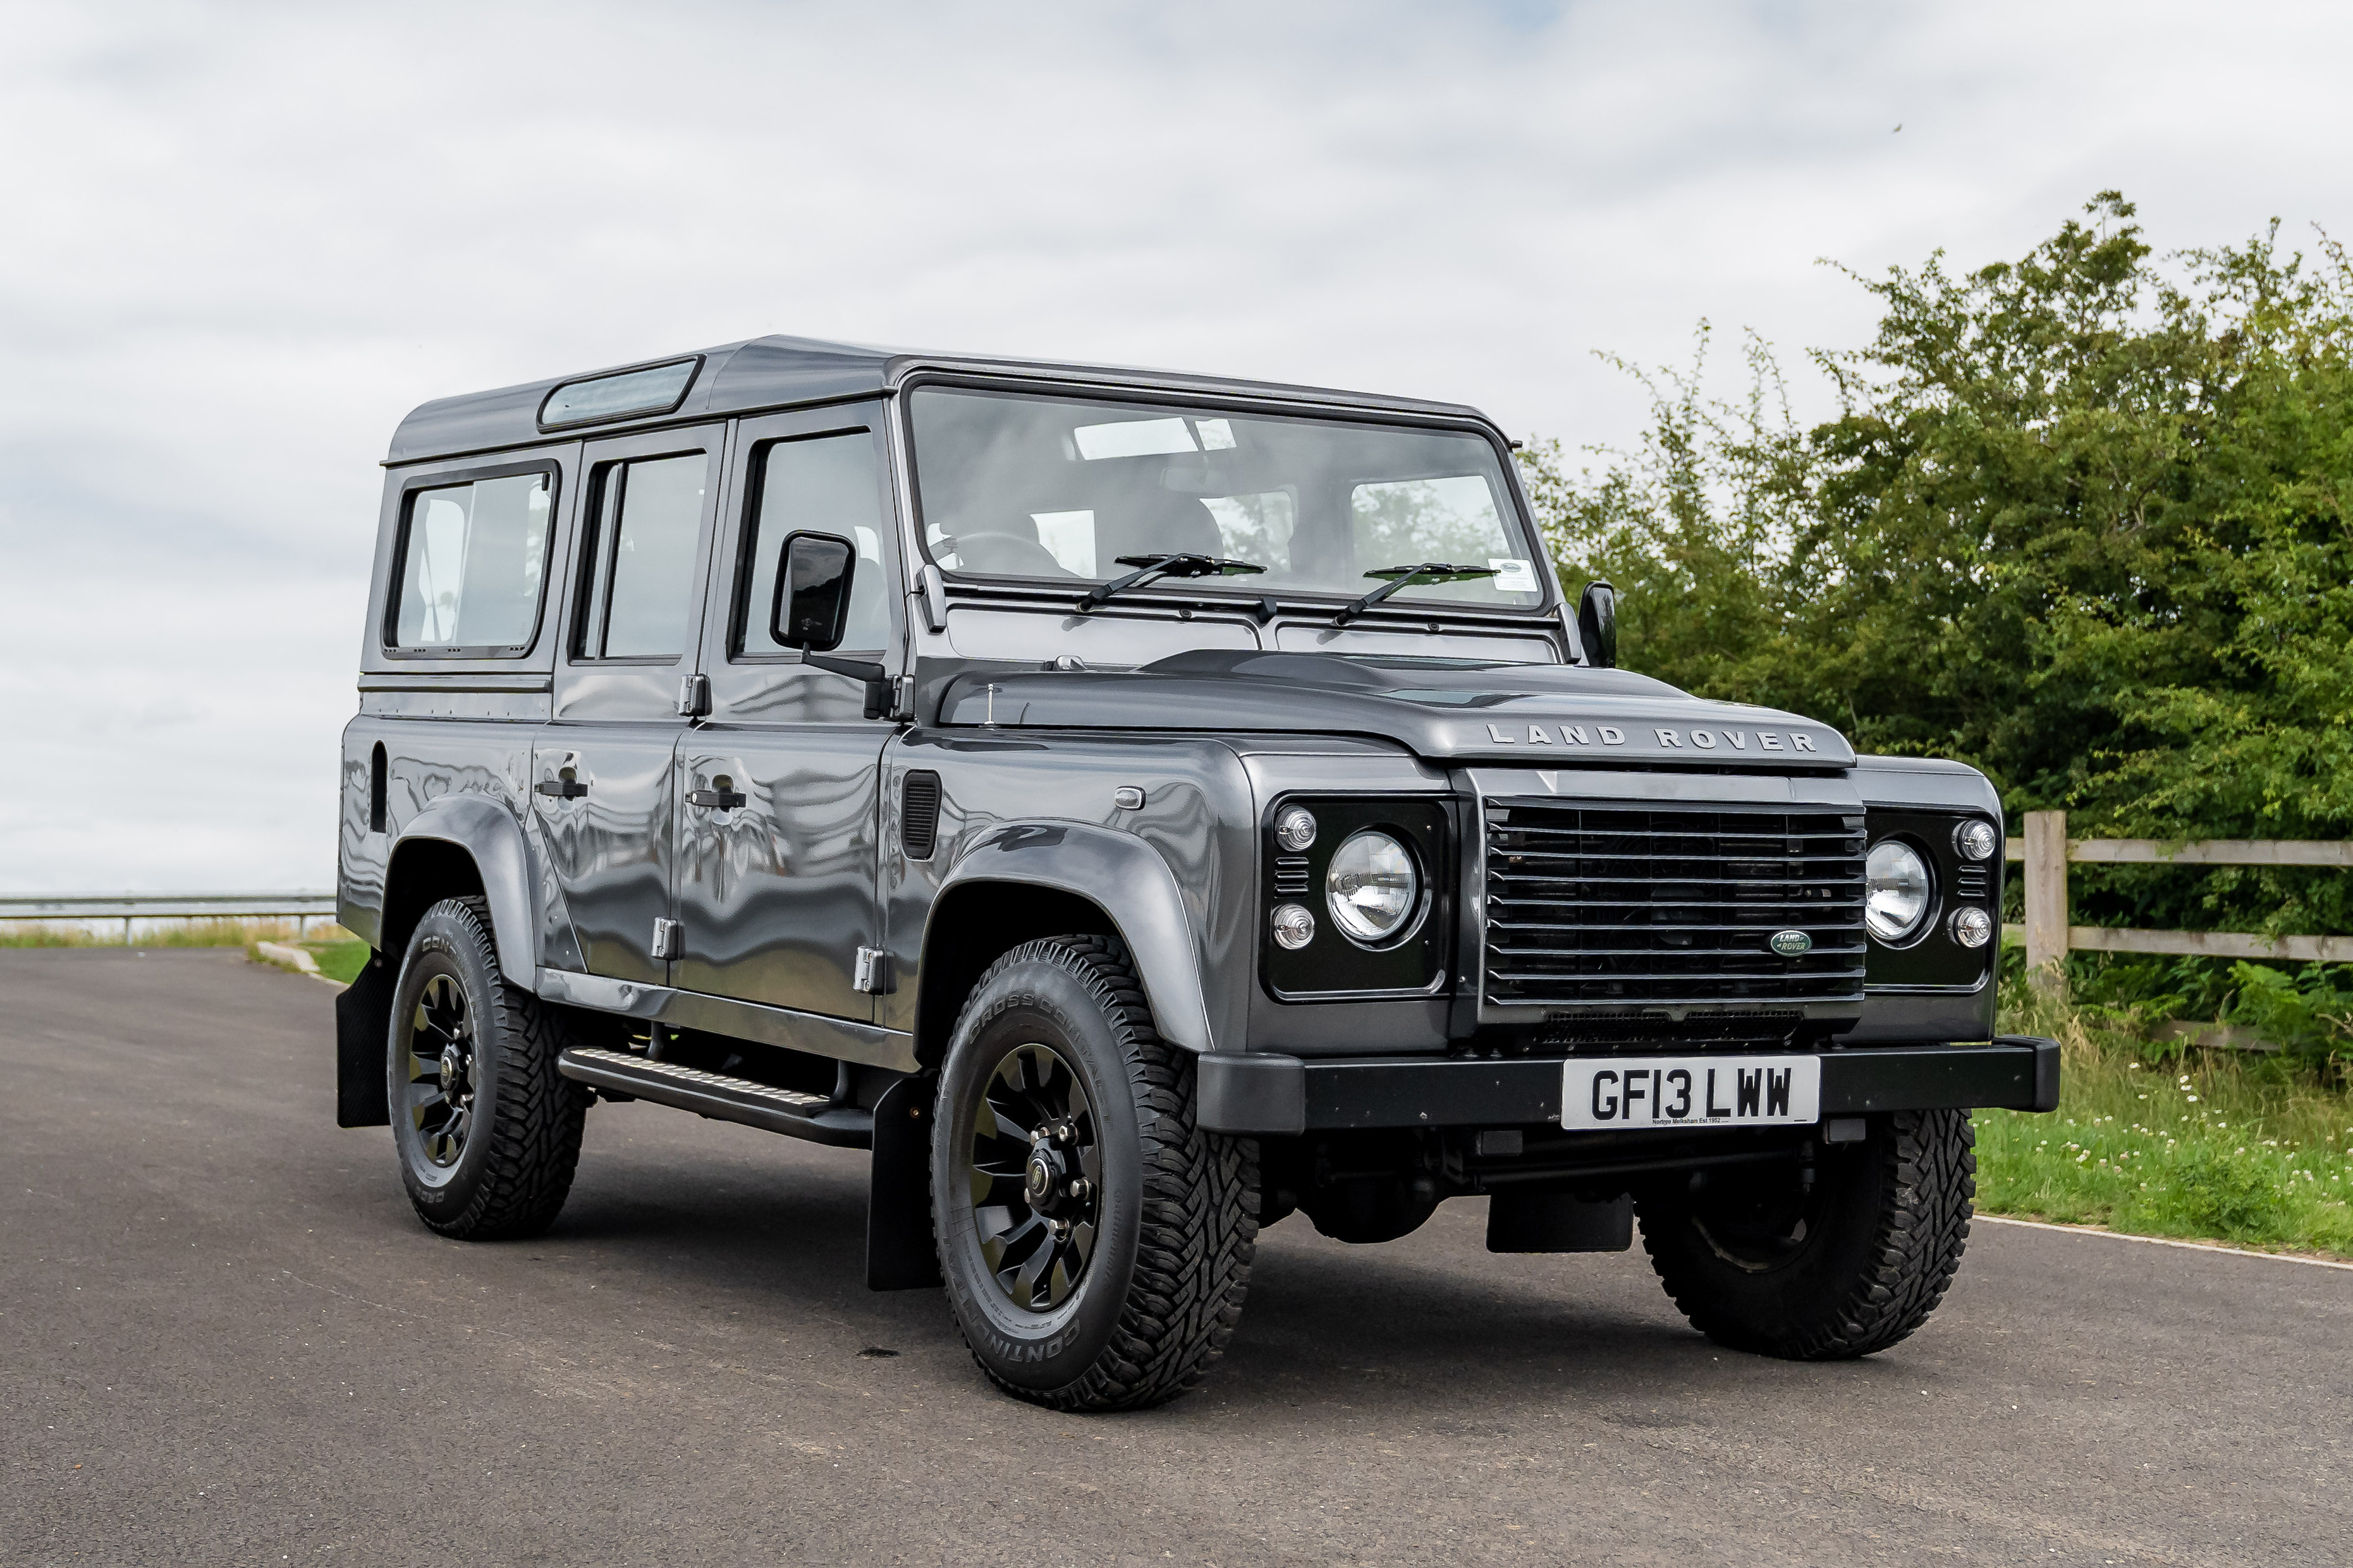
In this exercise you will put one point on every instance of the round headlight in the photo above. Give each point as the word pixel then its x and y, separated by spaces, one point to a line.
pixel 1972 927
pixel 1294 926
pixel 1372 888
pixel 1295 828
pixel 1976 839
pixel 1895 890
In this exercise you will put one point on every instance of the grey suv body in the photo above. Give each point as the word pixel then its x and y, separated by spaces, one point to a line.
pixel 1134 806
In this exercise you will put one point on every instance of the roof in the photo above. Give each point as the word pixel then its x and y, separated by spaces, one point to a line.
pixel 780 371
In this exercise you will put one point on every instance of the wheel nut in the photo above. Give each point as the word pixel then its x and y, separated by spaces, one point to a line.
pixel 1080 1189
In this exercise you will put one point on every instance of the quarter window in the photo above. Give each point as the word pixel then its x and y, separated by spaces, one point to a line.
pixel 472 563
pixel 640 585
pixel 824 485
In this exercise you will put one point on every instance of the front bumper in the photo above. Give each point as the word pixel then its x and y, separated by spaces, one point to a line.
pixel 1275 1095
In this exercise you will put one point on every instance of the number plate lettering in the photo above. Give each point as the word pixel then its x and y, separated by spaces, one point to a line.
pixel 1673 1092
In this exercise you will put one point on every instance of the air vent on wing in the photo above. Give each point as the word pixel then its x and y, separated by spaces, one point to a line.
pixel 919 815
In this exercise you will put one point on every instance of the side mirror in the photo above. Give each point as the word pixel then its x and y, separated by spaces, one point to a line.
pixel 812 607
pixel 1597 624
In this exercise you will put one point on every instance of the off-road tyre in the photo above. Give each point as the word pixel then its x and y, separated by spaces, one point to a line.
pixel 1158 1299
pixel 1885 1228
pixel 514 1169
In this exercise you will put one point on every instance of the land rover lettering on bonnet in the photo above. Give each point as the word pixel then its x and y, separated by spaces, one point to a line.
pixel 1131 809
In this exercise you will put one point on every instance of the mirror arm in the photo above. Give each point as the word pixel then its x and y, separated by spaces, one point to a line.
pixel 856 668
pixel 877 679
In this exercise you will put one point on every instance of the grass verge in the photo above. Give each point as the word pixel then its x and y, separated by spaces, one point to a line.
pixel 340 958
pixel 158 933
pixel 2159 1140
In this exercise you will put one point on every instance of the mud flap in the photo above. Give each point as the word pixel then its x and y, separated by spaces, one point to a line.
pixel 1558 1222
pixel 899 1251
pixel 362 1022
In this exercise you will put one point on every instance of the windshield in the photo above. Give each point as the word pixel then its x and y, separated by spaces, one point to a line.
pixel 1063 489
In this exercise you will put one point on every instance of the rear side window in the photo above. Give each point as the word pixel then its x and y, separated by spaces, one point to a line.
pixel 641 584
pixel 827 484
pixel 473 562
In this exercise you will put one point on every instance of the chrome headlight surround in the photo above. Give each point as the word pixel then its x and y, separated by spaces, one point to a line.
pixel 1373 888
pixel 1899 892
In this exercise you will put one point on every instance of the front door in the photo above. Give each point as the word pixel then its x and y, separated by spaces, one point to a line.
pixel 604 772
pixel 780 789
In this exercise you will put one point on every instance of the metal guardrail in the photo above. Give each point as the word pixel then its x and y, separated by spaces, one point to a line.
pixel 2047 851
pixel 303 907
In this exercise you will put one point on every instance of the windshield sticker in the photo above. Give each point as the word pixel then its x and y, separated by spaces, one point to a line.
pixel 1513 576
pixel 1134 438
pixel 1217 435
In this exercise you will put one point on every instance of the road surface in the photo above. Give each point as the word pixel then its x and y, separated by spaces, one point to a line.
pixel 225 1339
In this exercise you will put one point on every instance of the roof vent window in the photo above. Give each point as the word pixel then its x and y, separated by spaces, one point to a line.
pixel 657 389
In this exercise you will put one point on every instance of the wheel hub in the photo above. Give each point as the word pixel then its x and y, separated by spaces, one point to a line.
pixel 1050 1182
pixel 1034 1176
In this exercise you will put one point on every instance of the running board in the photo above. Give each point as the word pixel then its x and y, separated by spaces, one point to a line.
pixel 721 1098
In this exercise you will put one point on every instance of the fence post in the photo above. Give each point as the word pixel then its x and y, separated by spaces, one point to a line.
pixel 2046 896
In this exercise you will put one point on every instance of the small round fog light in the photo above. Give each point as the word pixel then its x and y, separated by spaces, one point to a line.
pixel 1974 839
pixel 1294 926
pixel 1295 828
pixel 1972 927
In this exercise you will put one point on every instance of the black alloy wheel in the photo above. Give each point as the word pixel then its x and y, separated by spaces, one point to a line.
pixel 1036 1177
pixel 438 1100
pixel 487 1129
pixel 1094 1241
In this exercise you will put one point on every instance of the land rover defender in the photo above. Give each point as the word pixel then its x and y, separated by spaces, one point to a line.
pixel 1135 808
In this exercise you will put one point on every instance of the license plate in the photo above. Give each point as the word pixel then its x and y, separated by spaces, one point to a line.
pixel 1682 1091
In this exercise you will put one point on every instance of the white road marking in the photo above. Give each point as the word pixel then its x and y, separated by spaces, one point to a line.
pixel 2157 1240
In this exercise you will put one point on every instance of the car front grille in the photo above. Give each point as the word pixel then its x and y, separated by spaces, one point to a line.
pixel 1615 915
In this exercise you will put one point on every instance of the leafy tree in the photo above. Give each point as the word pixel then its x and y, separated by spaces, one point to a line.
pixel 2080 521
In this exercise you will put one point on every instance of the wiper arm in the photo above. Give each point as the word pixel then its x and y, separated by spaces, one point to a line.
pixel 1404 576
pixel 1154 567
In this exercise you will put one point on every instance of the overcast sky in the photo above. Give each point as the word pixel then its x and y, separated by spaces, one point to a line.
pixel 240 242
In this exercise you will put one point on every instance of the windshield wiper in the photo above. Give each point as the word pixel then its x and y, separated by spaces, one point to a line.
pixel 1154 567
pixel 1403 576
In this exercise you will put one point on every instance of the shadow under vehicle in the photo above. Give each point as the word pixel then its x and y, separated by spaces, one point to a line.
pixel 1136 807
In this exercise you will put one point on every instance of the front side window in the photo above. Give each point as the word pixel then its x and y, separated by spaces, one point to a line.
pixel 1060 489
pixel 640 560
pixel 472 563
pixel 826 484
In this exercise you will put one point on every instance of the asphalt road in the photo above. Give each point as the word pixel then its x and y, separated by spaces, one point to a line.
pixel 225 1339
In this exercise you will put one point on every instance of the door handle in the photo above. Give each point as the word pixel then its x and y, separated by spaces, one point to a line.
pixel 561 789
pixel 715 799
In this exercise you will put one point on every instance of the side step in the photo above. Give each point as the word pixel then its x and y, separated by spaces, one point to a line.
pixel 720 1098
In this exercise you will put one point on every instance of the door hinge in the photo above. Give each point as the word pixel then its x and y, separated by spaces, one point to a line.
pixel 693 696
pixel 874 975
pixel 670 939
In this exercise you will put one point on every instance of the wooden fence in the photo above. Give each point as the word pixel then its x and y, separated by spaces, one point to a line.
pixel 2047 851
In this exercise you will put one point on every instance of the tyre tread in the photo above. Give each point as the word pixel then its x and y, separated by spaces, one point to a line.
pixel 538 1116
pixel 1920 1234
pixel 1200 1209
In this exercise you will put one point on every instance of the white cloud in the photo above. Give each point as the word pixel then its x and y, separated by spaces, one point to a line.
pixel 241 241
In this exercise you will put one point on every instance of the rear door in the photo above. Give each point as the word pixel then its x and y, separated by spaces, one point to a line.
pixel 605 787
pixel 781 788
